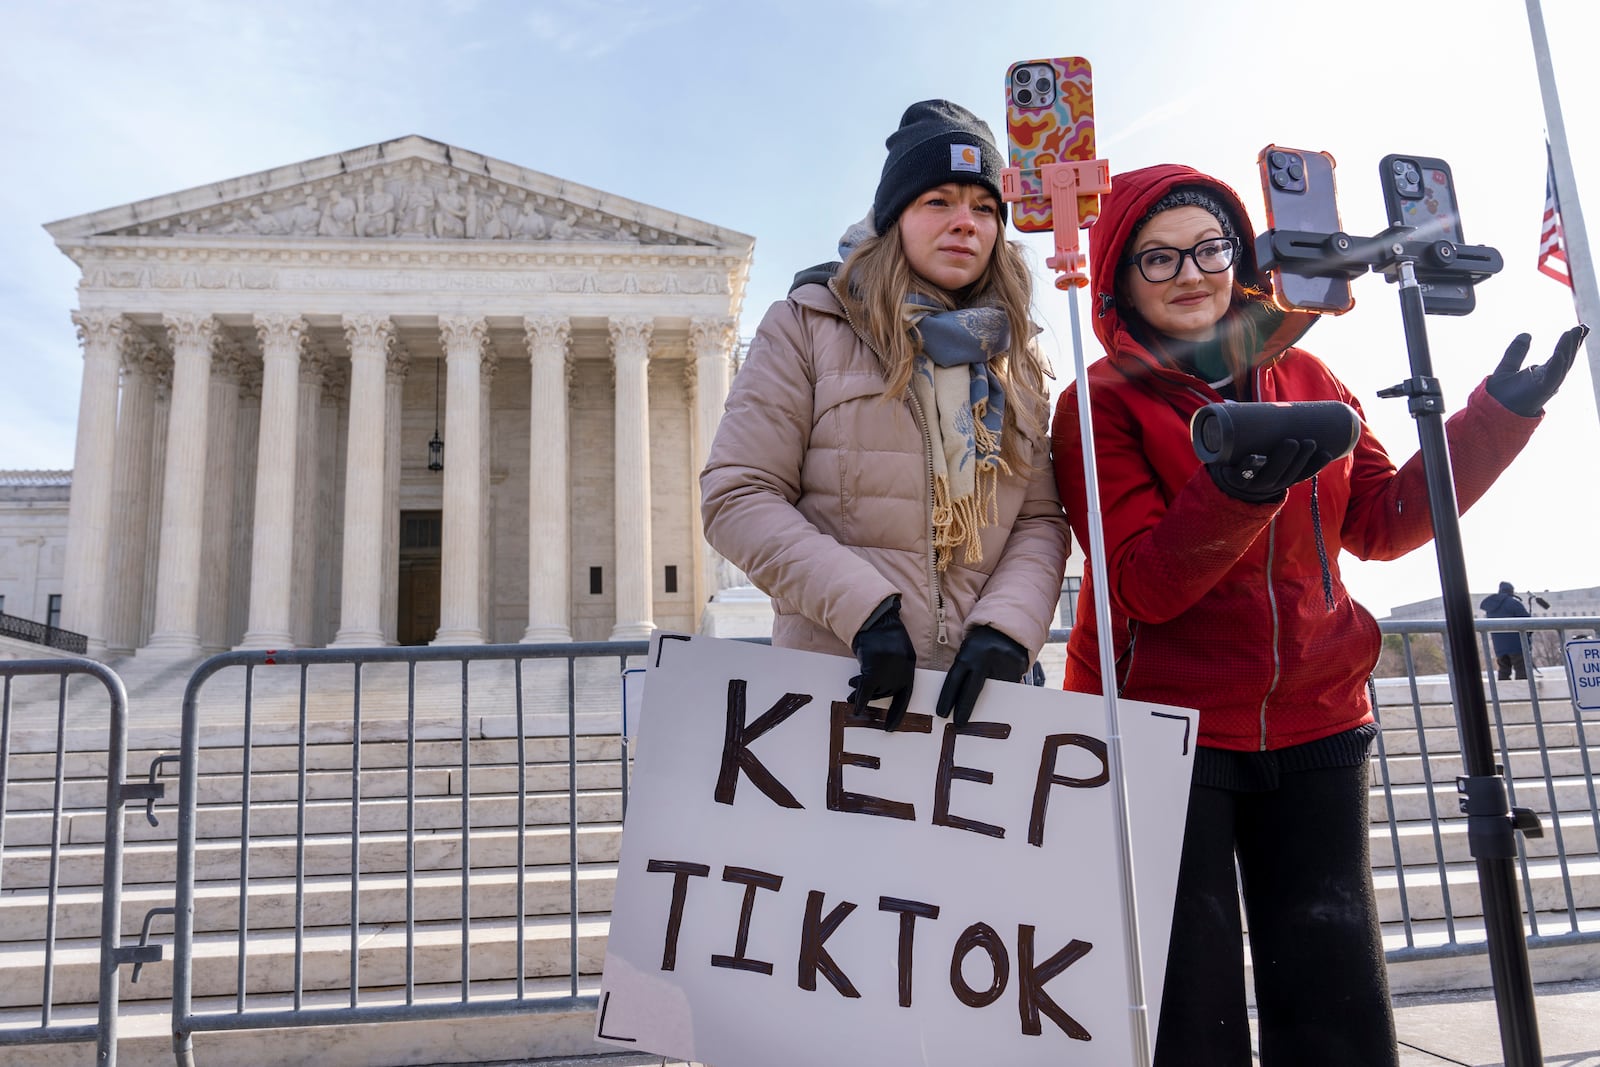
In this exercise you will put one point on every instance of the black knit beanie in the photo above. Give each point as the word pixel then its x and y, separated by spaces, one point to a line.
pixel 937 142
pixel 1191 196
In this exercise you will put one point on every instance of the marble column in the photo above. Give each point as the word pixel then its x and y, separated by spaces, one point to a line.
pixel 464 340
pixel 549 471
pixel 272 540
pixel 394 399
pixel 630 348
pixel 307 486
pixel 711 346
pixel 83 587
pixel 155 478
pixel 176 627
pixel 245 461
pixel 217 526
pixel 130 494
pixel 361 585
pixel 486 597
pixel 326 555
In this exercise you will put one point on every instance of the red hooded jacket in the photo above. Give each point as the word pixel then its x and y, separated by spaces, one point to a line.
pixel 1219 604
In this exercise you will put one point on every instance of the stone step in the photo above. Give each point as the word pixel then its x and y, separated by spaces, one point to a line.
pixel 145 1033
pixel 330 784
pixel 156 863
pixel 492 893
pixel 226 821
pixel 1411 801
pixel 1416 839
pixel 1511 712
pixel 325 755
pixel 1443 740
pixel 1523 764
pixel 1545 888
pixel 270 968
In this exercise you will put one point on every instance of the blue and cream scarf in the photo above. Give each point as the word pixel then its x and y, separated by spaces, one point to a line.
pixel 964 406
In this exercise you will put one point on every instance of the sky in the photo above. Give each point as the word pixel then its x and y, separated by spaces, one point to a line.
pixel 769 119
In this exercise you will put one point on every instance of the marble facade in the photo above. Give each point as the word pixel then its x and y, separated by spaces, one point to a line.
pixel 267 358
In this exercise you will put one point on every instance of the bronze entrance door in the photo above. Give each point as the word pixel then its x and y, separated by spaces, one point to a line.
pixel 418 620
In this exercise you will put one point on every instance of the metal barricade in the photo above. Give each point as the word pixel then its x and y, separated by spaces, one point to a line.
pixel 40 895
pixel 1544 747
pixel 411 937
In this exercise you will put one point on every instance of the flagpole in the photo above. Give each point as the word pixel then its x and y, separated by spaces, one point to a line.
pixel 1575 241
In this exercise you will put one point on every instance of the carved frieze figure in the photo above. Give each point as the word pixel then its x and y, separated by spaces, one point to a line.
pixel 375 212
pixel 531 225
pixel 562 228
pixel 416 209
pixel 490 225
pixel 450 220
pixel 339 219
pixel 263 223
pixel 305 218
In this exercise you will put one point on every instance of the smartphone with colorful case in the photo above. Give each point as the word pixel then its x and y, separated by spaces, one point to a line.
pixel 1049 119
pixel 1299 190
pixel 1418 191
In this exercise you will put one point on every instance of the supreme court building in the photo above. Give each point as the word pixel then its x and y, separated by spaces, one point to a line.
pixel 275 366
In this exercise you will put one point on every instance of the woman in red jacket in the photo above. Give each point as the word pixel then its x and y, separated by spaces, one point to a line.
pixel 1225 596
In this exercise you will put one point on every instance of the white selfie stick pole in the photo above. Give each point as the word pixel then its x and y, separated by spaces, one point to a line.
pixel 1139 1010
pixel 1063 183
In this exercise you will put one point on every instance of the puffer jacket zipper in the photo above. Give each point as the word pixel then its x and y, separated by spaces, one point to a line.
pixel 943 636
pixel 1272 607
pixel 935 588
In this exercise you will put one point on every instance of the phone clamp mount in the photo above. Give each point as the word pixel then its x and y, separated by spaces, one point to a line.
pixel 1396 255
pixel 1064 183
pixel 1339 255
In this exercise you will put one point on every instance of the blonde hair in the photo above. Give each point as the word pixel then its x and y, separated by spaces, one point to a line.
pixel 873 284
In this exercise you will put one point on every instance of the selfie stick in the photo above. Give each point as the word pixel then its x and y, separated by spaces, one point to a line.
pixel 1064 182
pixel 1492 824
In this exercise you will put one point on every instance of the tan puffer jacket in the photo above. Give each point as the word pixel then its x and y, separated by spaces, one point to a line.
pixel 819 489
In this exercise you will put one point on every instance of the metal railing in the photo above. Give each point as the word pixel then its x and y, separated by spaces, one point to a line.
pixel 311 818
pixel 32 897
pixel 1544 747
pixel 390 977
pixel 40 634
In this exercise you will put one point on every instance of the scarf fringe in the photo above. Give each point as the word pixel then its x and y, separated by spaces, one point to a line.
pixel 960 523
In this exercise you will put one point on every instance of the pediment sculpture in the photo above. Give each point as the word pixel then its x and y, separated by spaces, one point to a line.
pixel 411 201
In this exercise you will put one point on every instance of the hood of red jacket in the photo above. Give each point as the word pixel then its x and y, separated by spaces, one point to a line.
pixel 1134 193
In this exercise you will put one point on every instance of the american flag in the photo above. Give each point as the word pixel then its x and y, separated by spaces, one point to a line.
pixel 1552 258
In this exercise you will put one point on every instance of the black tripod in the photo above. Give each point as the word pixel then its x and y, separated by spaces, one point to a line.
pixel 1492 825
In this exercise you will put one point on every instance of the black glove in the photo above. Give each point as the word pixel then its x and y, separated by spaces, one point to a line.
pixel 888 663
pixel 1526 391
pixel 1259 479
pixel 985 653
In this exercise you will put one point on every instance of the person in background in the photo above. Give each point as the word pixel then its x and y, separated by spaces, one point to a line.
pixel 1508 655
pixel 1226 596
pixel 882 467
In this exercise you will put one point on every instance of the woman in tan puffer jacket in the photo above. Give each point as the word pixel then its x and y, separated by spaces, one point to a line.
pixel 882 467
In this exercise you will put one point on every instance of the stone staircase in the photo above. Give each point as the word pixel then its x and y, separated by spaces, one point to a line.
pixel 1434 855
pixel 333 917
pixel 321 853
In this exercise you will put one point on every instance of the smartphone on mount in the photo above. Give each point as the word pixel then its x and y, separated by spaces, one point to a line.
pixel 1418 191
pixel 1299 190
pixel 1049 119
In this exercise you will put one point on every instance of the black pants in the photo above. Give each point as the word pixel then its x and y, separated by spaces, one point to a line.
pixel 1322 995
pixel 1512 665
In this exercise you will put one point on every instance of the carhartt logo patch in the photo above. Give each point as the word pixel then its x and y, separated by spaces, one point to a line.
pixel 966 157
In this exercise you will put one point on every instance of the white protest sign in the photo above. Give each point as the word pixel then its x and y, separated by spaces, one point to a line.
pixel 799 888
pixel 1583 661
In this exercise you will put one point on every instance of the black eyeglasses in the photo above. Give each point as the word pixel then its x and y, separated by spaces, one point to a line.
pixel 1213 256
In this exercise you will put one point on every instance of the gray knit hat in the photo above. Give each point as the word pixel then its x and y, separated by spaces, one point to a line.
pixel 1191 196
pixel 937 142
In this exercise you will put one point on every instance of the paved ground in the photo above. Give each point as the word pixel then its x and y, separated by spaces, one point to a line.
pixel 1458 1029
